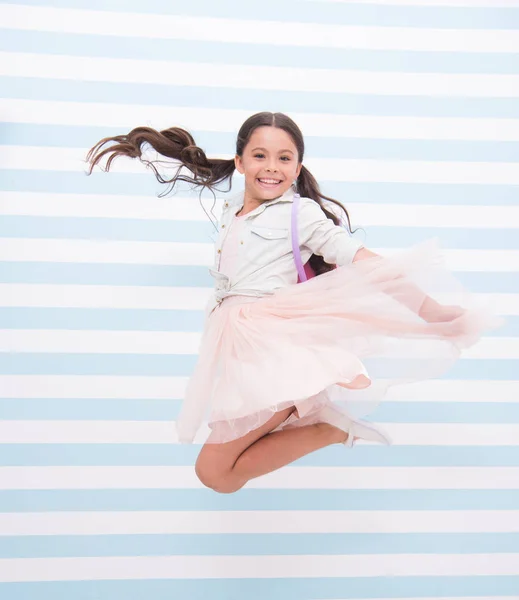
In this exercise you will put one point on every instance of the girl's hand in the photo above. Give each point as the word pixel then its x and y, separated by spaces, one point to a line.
pixel 433 312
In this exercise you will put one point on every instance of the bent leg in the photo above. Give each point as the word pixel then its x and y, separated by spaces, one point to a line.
pixel 227 467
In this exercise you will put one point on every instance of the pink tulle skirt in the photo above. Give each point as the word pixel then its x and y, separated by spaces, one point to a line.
pixel 342 337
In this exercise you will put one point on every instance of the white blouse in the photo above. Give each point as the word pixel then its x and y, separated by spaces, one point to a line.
pixel 262 258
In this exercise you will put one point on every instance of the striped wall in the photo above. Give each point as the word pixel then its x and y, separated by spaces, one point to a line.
pixel 410 110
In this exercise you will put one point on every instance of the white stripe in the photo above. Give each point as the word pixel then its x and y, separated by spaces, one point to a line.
pixel 163 432
pixel 493 348
pixel 106 251
pixel 127 116
pixel 173 253
pixel 254 77
pixel 179 342
pixel 162 26
pixel 456 391
pixel 330 169
pixel 423 215
pixel 155 297
pixel 258 521
pixel 264 567
pixel 125 387
pixel 106 342
pixel 453 434
pixel 390 478
pixel 136 297
pixel 481 391
pixel 333 478
pixel 181 208
pixel 108 386
pixel 496 261
pixel 74 159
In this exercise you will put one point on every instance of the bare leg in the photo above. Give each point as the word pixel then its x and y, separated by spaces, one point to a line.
pixel 227 467
pixel 275 450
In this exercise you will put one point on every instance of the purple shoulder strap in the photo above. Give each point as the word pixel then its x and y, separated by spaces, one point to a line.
pixel 295 241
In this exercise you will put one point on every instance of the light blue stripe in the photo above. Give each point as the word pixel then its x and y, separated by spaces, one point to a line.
pixel 214 143
pixel 24 455
pixel 303 588
pixel 93 228
pixel 105 274
pixel 255 100
pixel 182 276
pixel 490 369
pixel 181 365
pixel 506 282
pixel 195 51
pixel 311 12
pixel 172 365
pixel 251 499
pixel 450 237
pixel 145 230
pixel 60 182
pixel 132 184
pixel 489 412
pixel 259 544
pixel 152 409
pixel 121 319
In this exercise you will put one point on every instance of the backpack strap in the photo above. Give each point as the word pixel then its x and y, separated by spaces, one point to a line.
pixel 295 241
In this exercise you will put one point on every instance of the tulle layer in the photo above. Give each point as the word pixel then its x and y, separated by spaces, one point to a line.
pixel 345 336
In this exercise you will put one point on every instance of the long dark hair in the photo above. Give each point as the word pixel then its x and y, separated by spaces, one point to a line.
pixel 208 173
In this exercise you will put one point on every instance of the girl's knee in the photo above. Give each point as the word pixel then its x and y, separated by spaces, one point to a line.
pixel 227 487
pixel 223 483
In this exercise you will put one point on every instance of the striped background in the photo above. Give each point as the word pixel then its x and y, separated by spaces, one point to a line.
pixel 411 114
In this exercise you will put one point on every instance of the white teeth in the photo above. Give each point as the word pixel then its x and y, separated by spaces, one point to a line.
pixel 270 181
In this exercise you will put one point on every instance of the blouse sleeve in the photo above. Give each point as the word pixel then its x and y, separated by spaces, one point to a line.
pixel 320 235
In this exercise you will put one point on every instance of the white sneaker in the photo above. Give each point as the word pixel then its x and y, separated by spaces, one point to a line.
pixel 355 428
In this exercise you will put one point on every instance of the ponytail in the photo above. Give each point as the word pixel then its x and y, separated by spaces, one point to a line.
pixel 175 143
pixel 206 173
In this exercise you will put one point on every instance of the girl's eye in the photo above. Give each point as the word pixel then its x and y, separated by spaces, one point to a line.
pixel 261 155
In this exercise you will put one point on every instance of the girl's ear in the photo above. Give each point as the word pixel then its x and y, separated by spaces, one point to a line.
pixel 299 167
pixel 238 163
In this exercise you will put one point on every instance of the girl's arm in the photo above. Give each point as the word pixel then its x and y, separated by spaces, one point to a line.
pixel 430 310
pixel 336 246
pixel 320 235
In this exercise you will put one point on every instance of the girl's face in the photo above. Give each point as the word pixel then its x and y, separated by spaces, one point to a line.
pixel 270 163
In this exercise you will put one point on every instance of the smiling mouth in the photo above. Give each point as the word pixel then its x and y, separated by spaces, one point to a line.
pixel 269 182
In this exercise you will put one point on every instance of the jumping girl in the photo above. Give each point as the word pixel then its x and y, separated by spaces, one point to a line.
pixel 284 366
